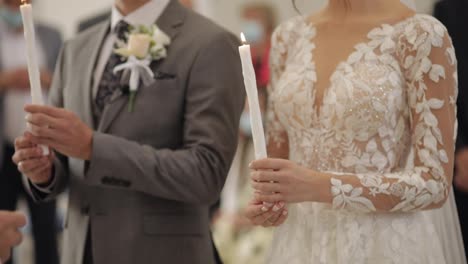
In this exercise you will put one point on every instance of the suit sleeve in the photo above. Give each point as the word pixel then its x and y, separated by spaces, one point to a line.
pixel 196 172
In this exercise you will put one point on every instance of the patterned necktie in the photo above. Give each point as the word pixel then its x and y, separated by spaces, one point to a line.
pixel 109 81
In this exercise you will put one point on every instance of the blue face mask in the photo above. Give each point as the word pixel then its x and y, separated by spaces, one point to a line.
pixel 253 30
pixel 12 18
pixel 245 126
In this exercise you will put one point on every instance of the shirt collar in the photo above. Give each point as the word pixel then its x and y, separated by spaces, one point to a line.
pixel 145 15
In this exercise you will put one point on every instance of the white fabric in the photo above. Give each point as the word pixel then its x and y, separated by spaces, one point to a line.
pixel 383 131
pixel 410 3
pixel 145 15
pixel 13 56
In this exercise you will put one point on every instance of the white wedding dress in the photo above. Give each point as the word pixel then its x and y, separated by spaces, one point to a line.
pixel 381 130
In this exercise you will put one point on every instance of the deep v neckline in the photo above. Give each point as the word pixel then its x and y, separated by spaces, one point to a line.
pixel 318 103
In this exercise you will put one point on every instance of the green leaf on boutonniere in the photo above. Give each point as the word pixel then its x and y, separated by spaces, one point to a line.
pixel 131 101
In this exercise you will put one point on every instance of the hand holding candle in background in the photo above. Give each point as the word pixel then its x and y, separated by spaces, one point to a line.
pixel 33 66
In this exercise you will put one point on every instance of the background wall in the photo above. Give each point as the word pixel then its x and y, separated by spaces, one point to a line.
pixel 66 14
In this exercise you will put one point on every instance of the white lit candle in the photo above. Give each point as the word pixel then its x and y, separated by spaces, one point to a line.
pixel 250 82
pixel 33 66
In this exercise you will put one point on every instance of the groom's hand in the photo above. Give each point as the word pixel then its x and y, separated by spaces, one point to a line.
pixel 61 130
pixel 30 160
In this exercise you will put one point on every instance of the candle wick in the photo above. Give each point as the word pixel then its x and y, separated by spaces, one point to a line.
pixel 243 39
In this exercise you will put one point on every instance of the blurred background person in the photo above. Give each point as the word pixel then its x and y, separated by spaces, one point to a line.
pixel 454 14
pixel 259 21
pixel 237 239
pixel 14 94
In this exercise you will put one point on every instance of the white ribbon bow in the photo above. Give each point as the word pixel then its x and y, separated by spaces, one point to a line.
pixel 139 69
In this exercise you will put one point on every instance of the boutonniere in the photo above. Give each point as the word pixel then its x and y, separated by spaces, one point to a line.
pixel 144 45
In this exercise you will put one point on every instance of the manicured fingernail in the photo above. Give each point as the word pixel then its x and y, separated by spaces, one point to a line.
pixel 264 209
pixel 28 117
pixel 281 204
pixel 285 212
pixel 276 208
pixel 250 164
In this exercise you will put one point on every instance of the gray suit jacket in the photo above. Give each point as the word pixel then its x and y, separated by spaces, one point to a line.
pixel 51 42
pixel 154 173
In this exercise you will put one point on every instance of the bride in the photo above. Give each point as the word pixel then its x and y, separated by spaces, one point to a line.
pixel 361 125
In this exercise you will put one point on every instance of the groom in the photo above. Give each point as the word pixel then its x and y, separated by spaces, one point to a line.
pixel 140 182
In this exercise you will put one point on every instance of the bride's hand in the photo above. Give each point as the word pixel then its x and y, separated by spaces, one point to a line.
pixel 281 180
pixel 260 215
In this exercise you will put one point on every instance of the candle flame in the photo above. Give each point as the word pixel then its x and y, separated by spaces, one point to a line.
pixel 243 38
pixel 24 2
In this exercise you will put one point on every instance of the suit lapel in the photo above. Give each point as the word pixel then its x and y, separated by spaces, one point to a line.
pixel 91 50
pixel 170 23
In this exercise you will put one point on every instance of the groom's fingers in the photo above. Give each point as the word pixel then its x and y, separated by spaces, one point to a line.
pixel 34 166
pixel 43 131
pixel 47 110
pixel 43 120
pixel 23 142
pixel 26 154
pixel 52 143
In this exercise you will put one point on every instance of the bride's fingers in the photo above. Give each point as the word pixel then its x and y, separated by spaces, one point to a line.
pixel 257 214
pixel 268 187
pixel 253 211
pixel 269 197
pixel 266 176
pixel 282 218
pixel 263 218
pixel 272 220
pixel 277 219
pixel 268 164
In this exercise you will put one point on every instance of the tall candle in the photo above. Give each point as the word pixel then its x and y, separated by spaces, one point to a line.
pixel 250 83
pixel 33 66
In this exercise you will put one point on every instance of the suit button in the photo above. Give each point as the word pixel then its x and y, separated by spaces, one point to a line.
pixel 105 180
pixel 85 210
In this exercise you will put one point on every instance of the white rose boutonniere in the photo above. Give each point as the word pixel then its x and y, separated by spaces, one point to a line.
pixel 144 45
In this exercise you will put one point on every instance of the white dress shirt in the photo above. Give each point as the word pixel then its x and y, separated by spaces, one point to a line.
pixel 13 56
pixel 145 15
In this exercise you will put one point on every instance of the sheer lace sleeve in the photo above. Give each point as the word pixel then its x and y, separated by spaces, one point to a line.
pixel 429 65
pixel 277 137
